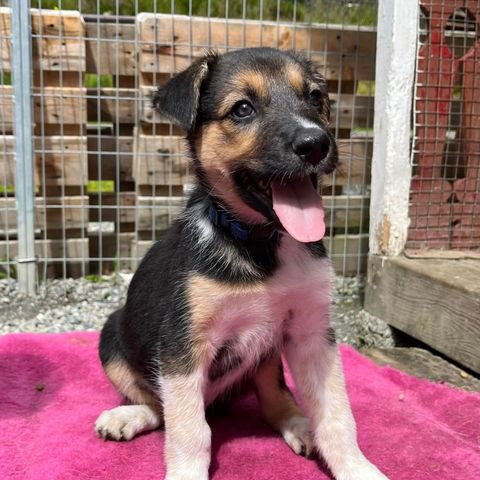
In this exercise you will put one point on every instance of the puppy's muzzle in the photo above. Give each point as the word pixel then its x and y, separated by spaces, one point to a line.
pixel 312 145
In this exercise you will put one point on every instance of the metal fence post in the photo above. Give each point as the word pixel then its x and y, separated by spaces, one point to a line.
pixel 24 183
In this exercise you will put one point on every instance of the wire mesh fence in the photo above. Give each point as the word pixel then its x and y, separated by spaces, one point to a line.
pixel 445 189
pixel 110 175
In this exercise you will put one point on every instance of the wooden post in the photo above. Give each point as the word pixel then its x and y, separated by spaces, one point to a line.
pixel 391 170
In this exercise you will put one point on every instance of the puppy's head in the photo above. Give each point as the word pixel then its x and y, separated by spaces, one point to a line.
pixel 257 124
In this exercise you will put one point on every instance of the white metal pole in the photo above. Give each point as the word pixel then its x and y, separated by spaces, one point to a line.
pixel 24 183
pixel 391 169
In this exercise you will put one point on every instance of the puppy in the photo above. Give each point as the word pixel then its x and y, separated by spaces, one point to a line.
pixel 242 276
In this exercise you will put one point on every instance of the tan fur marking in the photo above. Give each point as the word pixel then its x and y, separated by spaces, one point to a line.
pixel 206 296
pixel 295 77
pixel 222 148
pixel 127 382
pixel 254 80
pixel 277 404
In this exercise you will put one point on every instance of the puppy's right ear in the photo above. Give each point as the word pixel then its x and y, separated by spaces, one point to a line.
pixel 178 98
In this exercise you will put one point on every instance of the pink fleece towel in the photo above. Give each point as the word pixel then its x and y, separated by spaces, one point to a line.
pixel 52 388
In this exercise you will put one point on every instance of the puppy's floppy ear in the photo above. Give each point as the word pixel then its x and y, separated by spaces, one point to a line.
pixel 178 98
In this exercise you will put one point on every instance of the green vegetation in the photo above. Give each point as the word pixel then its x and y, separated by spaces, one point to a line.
pixel 93 80
pixel 5 78
pixel 8 269
pixel 101 186
pixel 354 12
pixel 6 189
pixel 95 279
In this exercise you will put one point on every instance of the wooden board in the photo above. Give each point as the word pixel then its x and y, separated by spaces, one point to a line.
pixel 116 105
pixel 74 248
pixel 436 301
pixel 58 161
pixel 354 162
pixel 5 40
pixel 52 105
pixel 108 204
pixel 57 40
pixel 110 48
pixel 157 213
pixel 349 253
pixel 104 152
pixel 339 50
pixel 160 160
pixel 60 212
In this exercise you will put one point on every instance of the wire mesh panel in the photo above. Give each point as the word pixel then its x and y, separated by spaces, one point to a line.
pixel 445 189
pixel 8 214
pixel 111 175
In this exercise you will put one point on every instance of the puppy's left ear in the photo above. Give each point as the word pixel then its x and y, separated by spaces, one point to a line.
pixel 178 98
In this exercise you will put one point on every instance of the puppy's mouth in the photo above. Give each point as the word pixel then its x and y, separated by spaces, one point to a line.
pixel 293 202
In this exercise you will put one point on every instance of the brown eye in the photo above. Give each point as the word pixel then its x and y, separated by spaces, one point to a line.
pixel 242 109
pixel 315 98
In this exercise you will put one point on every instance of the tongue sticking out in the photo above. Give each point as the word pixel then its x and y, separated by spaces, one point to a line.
pixel 299 208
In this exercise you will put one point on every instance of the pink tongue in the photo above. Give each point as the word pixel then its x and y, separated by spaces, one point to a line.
pixel 299 208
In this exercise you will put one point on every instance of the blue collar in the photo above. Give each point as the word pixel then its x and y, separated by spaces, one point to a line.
pixel 222 218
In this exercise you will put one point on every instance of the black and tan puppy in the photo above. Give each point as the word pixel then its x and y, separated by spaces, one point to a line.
pixel 242 275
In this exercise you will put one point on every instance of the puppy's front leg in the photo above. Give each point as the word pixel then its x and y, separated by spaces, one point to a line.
pixel 187 434
pixel 316 366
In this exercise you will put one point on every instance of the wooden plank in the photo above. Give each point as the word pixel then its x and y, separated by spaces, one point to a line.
pixel 104 152
pixel 354 162
pixel 110 48
pixel 59 105
pixel 343 212
pixel 114 251
pixel 52 105
pixel 60 212
pixel 436 301
pixel 5 39
pixel 157 213
pixel 108 204
pixel 59 160
pixel 117 105
pixel 160 160
pixel 339 50
pixel 6 109
pixel 49 249
pixel 57 42
pixel 349 253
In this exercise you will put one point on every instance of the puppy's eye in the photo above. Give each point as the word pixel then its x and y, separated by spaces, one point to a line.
pixel 315 98
pixel 242 109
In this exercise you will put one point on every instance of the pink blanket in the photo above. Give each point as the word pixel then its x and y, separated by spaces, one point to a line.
pixel 52 388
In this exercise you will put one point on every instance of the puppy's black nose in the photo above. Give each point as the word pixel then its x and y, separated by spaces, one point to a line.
pixel 312 144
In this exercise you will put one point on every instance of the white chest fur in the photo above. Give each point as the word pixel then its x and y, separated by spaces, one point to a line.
pixel 253 321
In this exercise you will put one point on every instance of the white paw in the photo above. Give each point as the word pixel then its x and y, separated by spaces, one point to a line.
pixel 296 432
pixel 362 469
pixel 126 421
pixel 186 476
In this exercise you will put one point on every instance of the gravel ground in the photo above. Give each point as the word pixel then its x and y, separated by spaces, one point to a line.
pixel 64 305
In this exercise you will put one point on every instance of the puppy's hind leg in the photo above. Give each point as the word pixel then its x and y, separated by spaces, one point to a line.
pixel 126 421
